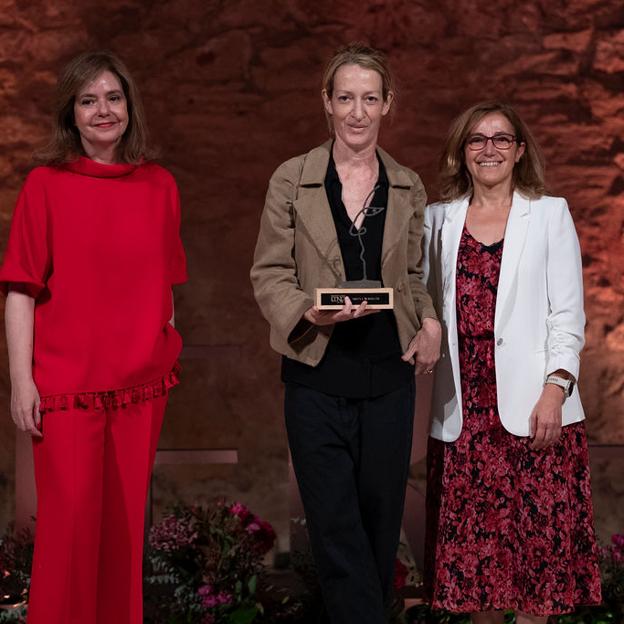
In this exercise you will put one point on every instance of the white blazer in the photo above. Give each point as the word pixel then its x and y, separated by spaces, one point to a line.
pixel 539 319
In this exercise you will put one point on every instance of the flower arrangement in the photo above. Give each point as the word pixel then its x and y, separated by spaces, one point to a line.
pixel 612 571
pixel 406 573
pixel 16 552
pixel 205 564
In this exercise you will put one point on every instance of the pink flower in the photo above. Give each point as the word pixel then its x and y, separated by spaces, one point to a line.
pixel 208 598
pixel 211 599
pixel 223 598
pixel 240 511
pixel 173 533
pixel 263 533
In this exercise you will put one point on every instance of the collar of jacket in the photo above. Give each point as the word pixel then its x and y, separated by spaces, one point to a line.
pixel 316 161
pixel 313 209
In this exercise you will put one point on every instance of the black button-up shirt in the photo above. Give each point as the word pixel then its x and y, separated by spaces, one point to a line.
pixel 363 357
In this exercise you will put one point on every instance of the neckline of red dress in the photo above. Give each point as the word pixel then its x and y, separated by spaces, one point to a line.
pixel 88 167
pixel 498 243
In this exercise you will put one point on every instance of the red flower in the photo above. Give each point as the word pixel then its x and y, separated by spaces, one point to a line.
pixel 240 511
pixel 264 535
pixel 400 574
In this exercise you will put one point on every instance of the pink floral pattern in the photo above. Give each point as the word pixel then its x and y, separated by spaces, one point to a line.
pixel 507 527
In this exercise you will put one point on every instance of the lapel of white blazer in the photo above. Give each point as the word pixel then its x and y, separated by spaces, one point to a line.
pixel 452 227
pixel 515 238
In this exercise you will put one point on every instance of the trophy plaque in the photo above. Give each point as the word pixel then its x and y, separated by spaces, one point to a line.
pixel 371 291
pixel 376 298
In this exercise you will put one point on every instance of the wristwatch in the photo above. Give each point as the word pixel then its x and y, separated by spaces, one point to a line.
pixel 567 385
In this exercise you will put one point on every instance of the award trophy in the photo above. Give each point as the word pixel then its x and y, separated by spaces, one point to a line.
pixel 371 291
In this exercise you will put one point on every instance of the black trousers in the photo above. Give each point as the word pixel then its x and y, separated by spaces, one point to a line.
pixel 351 458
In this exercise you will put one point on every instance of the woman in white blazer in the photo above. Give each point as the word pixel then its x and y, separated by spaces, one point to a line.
pixel 509 522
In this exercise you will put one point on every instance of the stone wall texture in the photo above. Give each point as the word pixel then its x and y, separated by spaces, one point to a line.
pixel 232 89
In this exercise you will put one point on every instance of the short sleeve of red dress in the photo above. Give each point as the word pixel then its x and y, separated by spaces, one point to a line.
pixel 28 259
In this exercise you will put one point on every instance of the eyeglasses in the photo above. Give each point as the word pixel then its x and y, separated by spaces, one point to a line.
pixel 477 142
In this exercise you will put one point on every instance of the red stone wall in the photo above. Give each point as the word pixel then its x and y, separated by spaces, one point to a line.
pixel 232 89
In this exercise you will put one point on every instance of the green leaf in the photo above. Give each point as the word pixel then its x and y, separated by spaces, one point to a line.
pixel 252 584
pixel 243 615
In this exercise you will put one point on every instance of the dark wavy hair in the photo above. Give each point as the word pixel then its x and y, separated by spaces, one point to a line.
pixel 65 144
pixel 455 179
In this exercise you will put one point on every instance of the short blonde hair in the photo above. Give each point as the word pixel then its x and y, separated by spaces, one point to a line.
pixel 455 180
pixel 357 53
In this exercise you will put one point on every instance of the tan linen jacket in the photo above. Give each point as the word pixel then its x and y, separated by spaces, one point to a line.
pixel 298 251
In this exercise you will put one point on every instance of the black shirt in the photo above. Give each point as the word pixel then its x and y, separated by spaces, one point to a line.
pixel 363 357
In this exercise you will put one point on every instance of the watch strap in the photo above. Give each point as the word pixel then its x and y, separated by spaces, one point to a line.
pixel 567 385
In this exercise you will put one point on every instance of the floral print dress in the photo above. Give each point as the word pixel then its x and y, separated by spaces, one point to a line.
pixel 507 527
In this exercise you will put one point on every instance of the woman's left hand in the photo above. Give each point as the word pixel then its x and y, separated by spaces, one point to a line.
pixel 425 347
pixel 545 421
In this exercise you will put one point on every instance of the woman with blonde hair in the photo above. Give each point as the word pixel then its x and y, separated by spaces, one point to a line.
pixel 509 514
pixel 349 373
pixel 93 252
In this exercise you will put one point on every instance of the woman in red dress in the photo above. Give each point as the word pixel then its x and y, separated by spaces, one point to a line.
pixel 93 252
pixel 509 514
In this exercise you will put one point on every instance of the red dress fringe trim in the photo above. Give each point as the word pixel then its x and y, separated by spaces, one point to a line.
pixel 112 399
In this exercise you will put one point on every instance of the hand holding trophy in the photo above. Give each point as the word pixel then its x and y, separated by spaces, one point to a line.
pixel 346 312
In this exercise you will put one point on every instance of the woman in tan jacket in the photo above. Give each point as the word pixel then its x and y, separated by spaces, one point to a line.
pixel 349 374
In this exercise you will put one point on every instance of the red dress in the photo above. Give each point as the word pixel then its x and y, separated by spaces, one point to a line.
pixel 507 527
pixel 98 247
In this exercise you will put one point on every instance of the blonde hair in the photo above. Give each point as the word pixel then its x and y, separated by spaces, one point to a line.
pixel 65 144
pixel 360 54
pixel 455 179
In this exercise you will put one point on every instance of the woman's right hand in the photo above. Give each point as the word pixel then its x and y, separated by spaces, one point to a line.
pixel 25 406
pixel 19 316
pixel 330 317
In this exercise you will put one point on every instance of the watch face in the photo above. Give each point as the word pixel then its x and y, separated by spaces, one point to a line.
pixel 567 386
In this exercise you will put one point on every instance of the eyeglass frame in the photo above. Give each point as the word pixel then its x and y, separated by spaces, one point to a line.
pixel 491 138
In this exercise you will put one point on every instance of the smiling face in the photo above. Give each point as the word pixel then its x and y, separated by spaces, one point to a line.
pixel 101 113
pixel 490 165
pixel 356 105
